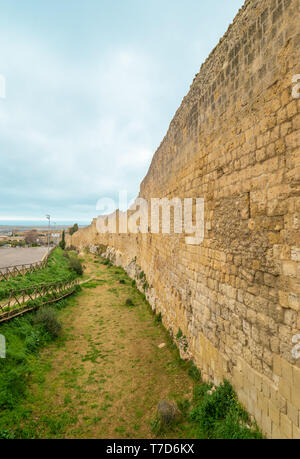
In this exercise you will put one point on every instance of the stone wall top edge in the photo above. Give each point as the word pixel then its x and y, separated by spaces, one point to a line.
pixel 213 64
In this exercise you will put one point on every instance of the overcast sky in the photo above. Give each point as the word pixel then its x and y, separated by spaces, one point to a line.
pixel 91 87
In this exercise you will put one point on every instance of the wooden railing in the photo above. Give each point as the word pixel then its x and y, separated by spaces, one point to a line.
pixel 20 270
pixel 21 301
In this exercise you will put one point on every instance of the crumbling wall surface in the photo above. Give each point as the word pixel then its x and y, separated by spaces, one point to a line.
pixel 235 141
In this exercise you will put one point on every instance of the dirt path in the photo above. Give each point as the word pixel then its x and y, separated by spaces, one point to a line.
pixel 105 377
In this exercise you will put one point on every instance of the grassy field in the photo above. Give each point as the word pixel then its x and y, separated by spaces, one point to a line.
pixel 57 269
pixel 104 373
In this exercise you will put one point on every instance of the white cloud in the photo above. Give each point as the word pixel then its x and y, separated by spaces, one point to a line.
pixel 75 132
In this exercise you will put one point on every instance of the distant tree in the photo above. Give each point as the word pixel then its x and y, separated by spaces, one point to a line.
pixel 62 243
pixel 31 237
pixel 73 229
pixel 19 243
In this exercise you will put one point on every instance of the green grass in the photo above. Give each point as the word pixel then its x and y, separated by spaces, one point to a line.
pixel 219 414
pixel 24 337
pixel 57 270
pixel 207 413
pixel 92 284
pixel 210 414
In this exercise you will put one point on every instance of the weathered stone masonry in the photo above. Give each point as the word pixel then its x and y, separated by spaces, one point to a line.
pixel 235 141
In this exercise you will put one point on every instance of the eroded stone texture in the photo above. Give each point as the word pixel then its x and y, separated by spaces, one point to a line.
pixel 234 141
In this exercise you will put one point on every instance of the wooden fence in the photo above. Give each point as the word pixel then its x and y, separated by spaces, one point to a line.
pixel 20 270
pixel 21 301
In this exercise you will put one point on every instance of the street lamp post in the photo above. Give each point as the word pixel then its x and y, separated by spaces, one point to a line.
pixel 48 218
pixel 54 235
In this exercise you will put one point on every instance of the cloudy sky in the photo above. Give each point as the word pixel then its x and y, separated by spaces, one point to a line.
pixel 91 87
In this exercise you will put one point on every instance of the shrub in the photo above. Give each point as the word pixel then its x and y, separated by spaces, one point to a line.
pixel 218 413
pixel 129 302
pixel 232 427
pixel 46 317
pixel 194 373
pixel 106 262
pixel 179 334
pixel 158 318
pixel 145 286
pixel 62 243
pixel 101 249
pixel 73 229
pixel 214 407
pixel 76 266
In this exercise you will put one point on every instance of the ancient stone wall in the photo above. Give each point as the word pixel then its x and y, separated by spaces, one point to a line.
pixel 235 141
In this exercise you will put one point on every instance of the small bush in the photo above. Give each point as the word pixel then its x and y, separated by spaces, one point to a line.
pixel 194 373
pixel 145 286
pixel 232 427
pixel 46 317
pixel 62 243
pixel 218 413
pixel 213 407
pixel 76 266
pixel 158 318
pixel 73 229
pixel 129 302
pixel 107 262
pixel 179 334
pixel 122 281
